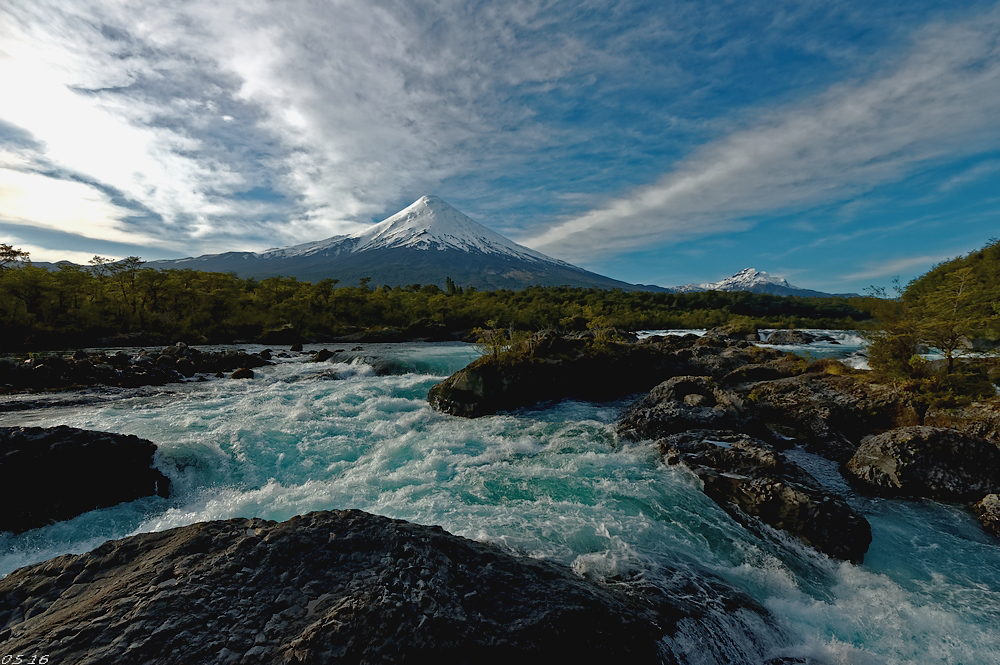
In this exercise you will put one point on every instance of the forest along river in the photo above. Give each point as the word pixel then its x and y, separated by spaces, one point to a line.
pixel 553 482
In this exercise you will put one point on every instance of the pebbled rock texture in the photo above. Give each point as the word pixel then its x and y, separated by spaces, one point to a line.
pixel 51 474
pixel 327 587
pixel 930 462
pixel 747 477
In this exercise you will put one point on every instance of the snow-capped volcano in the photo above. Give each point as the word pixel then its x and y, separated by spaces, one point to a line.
pixel 747 279
pixel 429 223
pixel 425 243
pixel 754 281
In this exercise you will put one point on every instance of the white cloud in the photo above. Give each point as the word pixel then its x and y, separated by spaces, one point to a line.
pixel 38 253
pixel 64 205
pixel 939 101
pixel 339 108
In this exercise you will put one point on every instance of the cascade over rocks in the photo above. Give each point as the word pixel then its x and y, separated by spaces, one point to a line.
pixel 52 474
pixel 750 479
pixel 334 587
pixel 931 462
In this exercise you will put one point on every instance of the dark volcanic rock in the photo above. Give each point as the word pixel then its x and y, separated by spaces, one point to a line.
pixel 830 414
pixel 557 367
pixel 683 403
pixel 329 587
pixel 242 373
pixel 987 510
pixel 51 474
pixel 981 419
pixel 172 363
pixel 931 462
pixel 322 355
pixel 749 478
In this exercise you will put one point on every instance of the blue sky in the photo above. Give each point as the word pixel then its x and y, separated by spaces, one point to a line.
pixel 833 143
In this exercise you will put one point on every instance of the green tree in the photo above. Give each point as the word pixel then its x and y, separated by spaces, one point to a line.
pixel 10 257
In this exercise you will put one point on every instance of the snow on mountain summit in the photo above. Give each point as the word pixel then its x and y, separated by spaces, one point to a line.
pixel 429 223
pixel 744 279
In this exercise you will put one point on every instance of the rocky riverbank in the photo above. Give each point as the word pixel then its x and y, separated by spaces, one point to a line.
pixel 124 370
pixel 726 408
pixel 342 586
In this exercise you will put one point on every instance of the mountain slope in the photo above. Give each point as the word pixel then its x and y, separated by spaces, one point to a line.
pixel 425 243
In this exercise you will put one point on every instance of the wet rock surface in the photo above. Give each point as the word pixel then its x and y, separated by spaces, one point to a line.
pixel 342 586
pixel 51 474
pixel 748 478
pixel 930 462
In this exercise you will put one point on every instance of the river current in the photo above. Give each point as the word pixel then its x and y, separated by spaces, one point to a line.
pixel 553 482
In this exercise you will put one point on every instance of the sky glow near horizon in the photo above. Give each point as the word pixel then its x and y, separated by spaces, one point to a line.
pixel 834 144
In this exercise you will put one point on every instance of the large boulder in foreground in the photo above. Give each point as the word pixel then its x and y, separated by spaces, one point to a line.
pixel 929 462
pixel 327 587
pixel 52 474
pixel 748 478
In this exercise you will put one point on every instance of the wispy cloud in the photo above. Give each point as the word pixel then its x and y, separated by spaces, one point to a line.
pixel 250 120
pixel 939 100
pixel 897 266
pixel 970 175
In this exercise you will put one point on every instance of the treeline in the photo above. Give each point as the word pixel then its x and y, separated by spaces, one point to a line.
pixel 77 306
pixel 954 307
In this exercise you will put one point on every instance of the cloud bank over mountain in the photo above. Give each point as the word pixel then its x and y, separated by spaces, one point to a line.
pixel 627 135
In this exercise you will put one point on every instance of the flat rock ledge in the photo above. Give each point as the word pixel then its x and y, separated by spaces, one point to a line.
pixel 749 479
pixel 55 473
pixel 927 462
pixel 327 587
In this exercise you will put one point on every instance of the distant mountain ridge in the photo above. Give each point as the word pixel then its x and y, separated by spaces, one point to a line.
pixel 425 243
pixel 756 281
